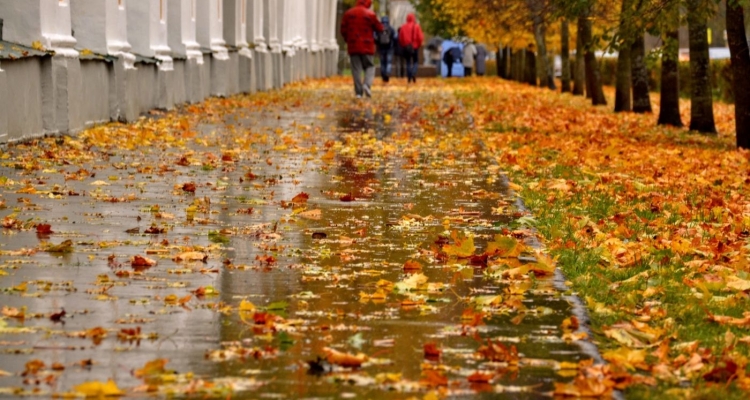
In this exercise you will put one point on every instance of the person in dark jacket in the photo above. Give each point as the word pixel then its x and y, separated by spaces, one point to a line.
pixel 450 57
pixel 386 42
pixel 410 38
pixel 358 27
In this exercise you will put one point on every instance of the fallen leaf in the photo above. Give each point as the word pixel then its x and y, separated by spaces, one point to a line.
pixel 344 359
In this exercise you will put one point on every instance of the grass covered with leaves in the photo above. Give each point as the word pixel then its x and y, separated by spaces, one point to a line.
pixel 649 224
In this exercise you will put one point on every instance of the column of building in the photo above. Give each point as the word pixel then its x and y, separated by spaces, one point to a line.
pixel 257 39
pixel 329 43
pixel 210 35
pixel 148 36
pixel 190 83
pixel 313 27
pixel 235 33
pixel 286 27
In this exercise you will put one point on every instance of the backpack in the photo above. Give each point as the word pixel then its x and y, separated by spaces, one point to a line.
pixel 384 37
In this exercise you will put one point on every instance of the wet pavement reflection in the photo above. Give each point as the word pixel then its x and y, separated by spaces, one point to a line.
pixel 304 216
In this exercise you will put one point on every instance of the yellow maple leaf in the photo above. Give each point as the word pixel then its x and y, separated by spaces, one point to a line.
pixel 99 389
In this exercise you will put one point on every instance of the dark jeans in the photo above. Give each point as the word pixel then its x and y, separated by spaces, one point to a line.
pixel 412 62
pixel 467 71
pixel 449 63
pixel 385 64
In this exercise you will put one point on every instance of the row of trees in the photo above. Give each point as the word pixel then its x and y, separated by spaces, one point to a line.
pixel 518 25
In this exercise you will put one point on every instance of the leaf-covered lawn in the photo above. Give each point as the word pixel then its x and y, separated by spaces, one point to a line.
pixel 649 224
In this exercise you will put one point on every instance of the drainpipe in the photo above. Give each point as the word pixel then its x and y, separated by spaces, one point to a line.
pixel 1 29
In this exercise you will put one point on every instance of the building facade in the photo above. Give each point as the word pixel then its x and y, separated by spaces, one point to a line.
pixel 68 64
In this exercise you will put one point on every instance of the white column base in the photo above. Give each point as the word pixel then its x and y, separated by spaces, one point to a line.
pixel 67 95
pixel 4 99
pixel 247 78
pixel 95 92
pixel 277 60
pixel 123 93
pixel 166 94
pixel 264 68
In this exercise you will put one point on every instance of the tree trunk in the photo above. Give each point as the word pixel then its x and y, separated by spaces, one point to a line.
pixel 669 110
pixel 565 55
pixel 639 74
pixel 530 68
pixel 593 74
pixel 499 61
pixel 622 81
pixel 508 55
pixel 701 102
pixel 536 7
pixel 579 75
pixel 738 47
pixel 518 58
pixel 623 101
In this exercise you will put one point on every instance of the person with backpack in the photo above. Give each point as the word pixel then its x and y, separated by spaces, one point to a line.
pixel 410 38
pixel 358 27
pixel 386 42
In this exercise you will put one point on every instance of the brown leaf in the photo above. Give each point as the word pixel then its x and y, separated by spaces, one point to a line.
pixel 141 262
pixel 347 198
pixel 189 187
pixel 44 229
pixel 301 198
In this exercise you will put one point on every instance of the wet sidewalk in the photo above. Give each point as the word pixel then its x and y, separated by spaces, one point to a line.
pixel 293 244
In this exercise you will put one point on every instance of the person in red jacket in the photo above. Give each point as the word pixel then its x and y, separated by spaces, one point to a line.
pixel 410 38
pixel 358 27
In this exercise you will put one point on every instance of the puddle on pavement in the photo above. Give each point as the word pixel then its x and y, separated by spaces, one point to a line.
pixel 311 272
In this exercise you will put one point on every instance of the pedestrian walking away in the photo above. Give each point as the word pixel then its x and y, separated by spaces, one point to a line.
pixel 470 52
pixel 386 42
pixel 481 60
pixel 410 38
pixel 359 25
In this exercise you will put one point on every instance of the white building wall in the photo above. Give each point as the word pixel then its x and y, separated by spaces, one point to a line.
pixel 4 100
pixel 42 95
pixel 312 18
pixel 270 27
pixel 46 22
pixel 57 27
pixel 89 25
pixel 256 31
pixel 147 31
pixel 116 23
pixel 210 28
pixel 181 29
pixel 22 21
pixel 235 22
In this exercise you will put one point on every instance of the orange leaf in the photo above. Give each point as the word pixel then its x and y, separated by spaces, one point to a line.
pixel 344 359
pixel 300 198
pixel 412 265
